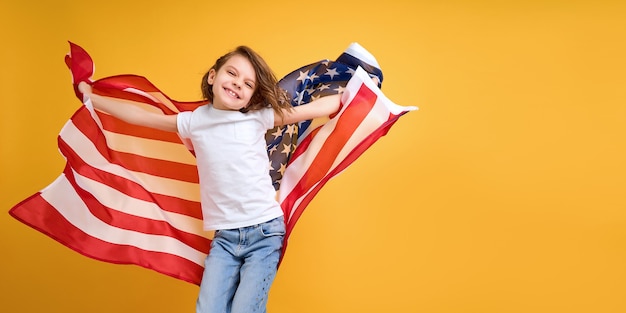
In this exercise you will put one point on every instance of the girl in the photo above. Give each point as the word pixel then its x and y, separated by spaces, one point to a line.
pixel 237 196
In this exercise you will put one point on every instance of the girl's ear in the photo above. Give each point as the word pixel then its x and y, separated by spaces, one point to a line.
pixel 211 77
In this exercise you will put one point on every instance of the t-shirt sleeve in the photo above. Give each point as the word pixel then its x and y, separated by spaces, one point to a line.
pixel 183 123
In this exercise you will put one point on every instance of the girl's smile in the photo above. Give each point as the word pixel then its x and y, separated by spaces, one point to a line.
pixel 232 93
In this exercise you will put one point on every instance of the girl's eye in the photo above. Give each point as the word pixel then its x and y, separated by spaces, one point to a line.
pixel 250 85
pixel 231 73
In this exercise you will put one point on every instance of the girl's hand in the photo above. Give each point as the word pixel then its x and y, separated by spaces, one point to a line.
pixel 84 88
pixel 376 80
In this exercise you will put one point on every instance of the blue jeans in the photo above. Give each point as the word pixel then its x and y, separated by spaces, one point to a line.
pixel 240 268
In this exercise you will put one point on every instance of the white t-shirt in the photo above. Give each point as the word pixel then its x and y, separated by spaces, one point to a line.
pixel 233 166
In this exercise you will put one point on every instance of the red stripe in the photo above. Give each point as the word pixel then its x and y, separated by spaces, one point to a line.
pixel 117 126
pixel 350 158
pixel 140 224
pixel 347 123
pixel 114 86
pixel 128 187
pixel 179 171
pixel 40 215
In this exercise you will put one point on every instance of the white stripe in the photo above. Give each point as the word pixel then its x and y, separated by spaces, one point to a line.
pixel 141 93
pixel 361 77
pixel 377 116
pixel 357 51
pixel 298 167
pixel 299 200
pixel 160 185
pixel 118 201
pixel 296 170
pixel 64 199
pixel 149 148
pixel 157 97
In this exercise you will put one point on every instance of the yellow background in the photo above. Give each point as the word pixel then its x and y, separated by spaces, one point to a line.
pixel 505 192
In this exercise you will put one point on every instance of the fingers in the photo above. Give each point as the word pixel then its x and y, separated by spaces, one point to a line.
pixel 376 80
pixel 84 88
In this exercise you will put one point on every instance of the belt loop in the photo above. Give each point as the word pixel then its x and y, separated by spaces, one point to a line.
pixel 242 236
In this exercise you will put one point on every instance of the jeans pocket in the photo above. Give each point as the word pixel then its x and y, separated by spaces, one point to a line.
pixel 275 227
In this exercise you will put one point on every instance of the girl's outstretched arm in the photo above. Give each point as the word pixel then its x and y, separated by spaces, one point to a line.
pixel 128 112
pixel 324 106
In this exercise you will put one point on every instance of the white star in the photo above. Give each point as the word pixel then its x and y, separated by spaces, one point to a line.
pixel 282 169
pixel 350 71
pixel 278 132
pixel 310 90
pixel 323 87
pixel 313 77
pixel 340 89
pixel 313 98
pixel 332 72
pixel 303 76
pixel 299 96
pixel 291 129
pixel 286 149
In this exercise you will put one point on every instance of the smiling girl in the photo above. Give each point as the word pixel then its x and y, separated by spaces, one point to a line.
pixel 237 196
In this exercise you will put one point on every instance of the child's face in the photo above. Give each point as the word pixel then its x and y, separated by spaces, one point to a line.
pixel 233 84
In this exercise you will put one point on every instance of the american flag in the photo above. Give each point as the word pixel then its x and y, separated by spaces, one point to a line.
pixel 129 195
pixel 308 83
